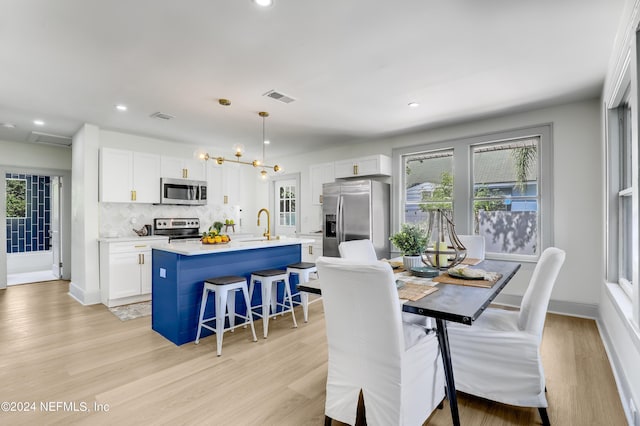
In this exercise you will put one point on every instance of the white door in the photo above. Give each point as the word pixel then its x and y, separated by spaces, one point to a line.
pixel 54 228
pixel 286 207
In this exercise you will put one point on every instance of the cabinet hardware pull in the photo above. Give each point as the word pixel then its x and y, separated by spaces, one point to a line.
pixel 140 245
pixel 226 199
pixel 133 195
pixel 320 198
pixel 355 169
pixel 185 173
pixel 310 249
pixel 138 258
pixel 142 257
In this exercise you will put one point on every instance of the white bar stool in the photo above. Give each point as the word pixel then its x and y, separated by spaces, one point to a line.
pixel 303 270
pixel 269 279
pixel 225 289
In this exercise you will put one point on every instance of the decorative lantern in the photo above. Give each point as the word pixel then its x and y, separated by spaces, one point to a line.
pixel 444 249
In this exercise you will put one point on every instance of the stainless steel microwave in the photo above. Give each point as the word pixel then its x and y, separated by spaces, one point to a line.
pixel 183 192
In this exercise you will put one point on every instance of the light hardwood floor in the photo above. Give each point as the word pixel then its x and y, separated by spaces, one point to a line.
pixel 55 351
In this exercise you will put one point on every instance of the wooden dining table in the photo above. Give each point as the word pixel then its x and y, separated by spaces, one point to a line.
pixel 451 302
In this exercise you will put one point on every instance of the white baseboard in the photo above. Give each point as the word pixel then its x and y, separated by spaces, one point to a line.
pixel 573 309
pixel 83 297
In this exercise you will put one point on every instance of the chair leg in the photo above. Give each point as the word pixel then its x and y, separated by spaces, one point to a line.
pixel 266 306
pixel 287 293
pixel 203 305
pixel 249 317
pixel 327 420
pixel 543 416
pixel 304 298
pixel 221 308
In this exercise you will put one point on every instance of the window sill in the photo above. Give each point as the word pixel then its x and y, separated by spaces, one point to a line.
pixel 624 307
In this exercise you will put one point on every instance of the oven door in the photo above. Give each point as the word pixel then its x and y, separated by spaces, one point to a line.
pixel 182 191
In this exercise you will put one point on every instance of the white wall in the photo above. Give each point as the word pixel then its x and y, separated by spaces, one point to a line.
pixel 23 154
pixel 577 190
pixel 617 310
pixel 85 282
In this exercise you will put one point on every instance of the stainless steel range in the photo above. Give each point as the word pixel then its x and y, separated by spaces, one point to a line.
pixel 177 228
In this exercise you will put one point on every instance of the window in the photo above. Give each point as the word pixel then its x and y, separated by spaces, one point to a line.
pixel 16 198
pixel 506 197
pixel 496 185
pixel 428 185
pixel 624 194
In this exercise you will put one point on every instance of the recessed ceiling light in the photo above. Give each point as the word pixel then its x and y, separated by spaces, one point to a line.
pixel 121 107
pixel 263 3
pixel 414 104
pixel 8 125
pixel 38 122
pixel 267 142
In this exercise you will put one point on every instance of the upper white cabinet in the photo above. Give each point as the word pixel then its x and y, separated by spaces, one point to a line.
pixel 319 174
pixel 223 184
pixel 372 165
pixel 129 177
pixel 231 184
pixel 183 168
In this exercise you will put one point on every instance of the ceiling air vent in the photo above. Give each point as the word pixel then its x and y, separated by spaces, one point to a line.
pixel 162 116
pixel 279 96
pixel 49 139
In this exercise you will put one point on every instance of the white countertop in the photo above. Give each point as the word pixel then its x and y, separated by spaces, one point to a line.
pixel 193 248
pixel 159 238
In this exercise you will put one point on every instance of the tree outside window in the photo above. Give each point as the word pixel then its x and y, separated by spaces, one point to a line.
pixel 16 197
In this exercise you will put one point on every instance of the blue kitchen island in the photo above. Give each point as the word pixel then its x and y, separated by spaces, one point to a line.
pixel 179 270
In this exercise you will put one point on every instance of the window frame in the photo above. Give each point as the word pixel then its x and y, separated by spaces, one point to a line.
pixel 621 96
pixel 463 181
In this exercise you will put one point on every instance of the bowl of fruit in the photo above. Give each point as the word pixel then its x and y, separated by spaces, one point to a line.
pixel 214 236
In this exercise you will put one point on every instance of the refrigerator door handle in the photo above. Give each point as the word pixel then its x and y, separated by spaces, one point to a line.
pixel 339 221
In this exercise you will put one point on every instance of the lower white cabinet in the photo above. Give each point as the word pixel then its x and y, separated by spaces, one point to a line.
pixel 125 271
pixel 311 251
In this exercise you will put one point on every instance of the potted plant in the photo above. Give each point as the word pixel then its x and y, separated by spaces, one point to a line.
pixel 412 242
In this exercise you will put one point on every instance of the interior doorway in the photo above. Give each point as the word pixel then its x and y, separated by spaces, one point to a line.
pixel 30 205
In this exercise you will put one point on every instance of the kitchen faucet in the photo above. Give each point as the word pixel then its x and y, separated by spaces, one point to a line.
pixel 268 233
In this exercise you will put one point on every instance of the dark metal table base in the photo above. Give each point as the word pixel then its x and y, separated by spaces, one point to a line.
pixel 443 339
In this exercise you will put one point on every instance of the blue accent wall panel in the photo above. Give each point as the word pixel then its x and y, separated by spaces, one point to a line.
pixel 176 298
pixel 31 233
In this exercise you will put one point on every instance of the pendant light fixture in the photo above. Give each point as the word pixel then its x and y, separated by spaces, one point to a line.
pixel 239 151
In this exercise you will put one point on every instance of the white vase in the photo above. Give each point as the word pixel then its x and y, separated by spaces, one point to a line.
pixel 411 262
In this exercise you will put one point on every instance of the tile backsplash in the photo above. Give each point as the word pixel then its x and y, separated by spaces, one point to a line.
pixel 119 219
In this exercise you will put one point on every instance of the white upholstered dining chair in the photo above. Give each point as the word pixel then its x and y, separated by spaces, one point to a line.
pixel 358 250
pixel 498 357
pixel 396 366
pixel 474 245
pixel 363 251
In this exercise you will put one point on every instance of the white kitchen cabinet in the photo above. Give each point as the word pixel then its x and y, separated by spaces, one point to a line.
pixel 311 251
pixel 224 184
pixel 372 165
pixel 125 271
pixel 183 168
pixel 318 175
pixel 215 190
pixel 231 184
pixel 129 177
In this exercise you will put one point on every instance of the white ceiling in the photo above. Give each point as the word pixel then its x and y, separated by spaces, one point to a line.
pixel 352 65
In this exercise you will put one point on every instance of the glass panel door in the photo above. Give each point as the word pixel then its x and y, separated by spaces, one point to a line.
pixel 286 215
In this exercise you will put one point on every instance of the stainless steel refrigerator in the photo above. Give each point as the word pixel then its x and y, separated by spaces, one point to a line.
pixel 355 210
